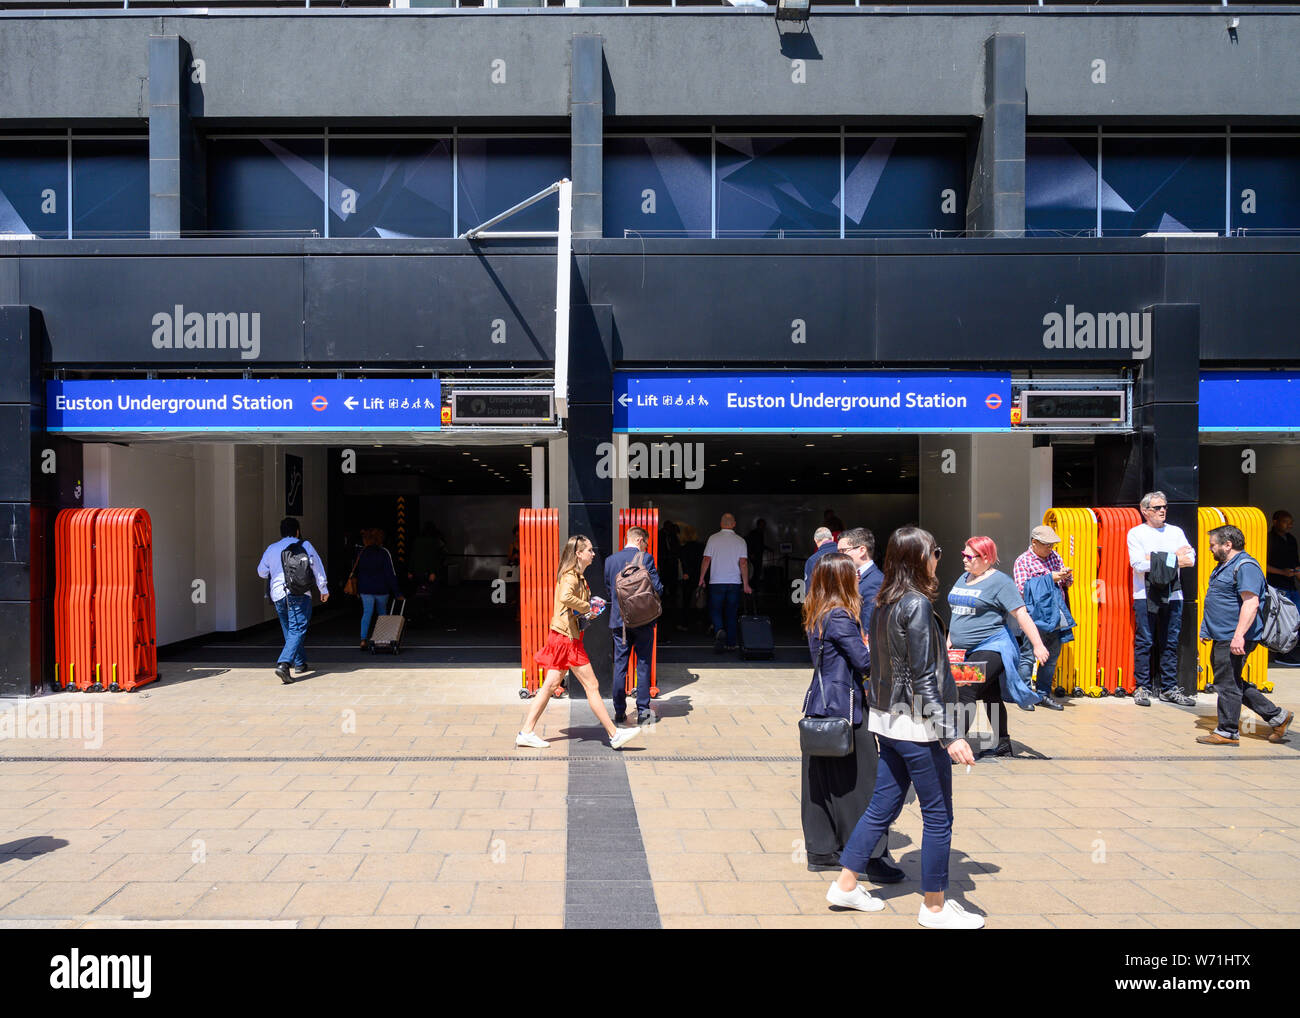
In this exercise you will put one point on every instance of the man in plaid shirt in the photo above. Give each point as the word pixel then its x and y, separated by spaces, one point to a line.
pixel 1040 559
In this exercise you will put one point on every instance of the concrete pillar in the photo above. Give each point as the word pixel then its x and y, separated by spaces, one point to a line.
pixel 1040 479
pixel 177 170
pixel 587 133
pixel 996 203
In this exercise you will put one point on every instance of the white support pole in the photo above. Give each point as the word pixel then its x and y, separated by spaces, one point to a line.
pixel 539 476
pixel 564 256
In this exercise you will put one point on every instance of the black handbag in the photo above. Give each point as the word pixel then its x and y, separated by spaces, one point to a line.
pixel 824 736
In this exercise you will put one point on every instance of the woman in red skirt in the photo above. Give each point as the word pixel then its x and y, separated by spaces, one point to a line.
pixel 564 652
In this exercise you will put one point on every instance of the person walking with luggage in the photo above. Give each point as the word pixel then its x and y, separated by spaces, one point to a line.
pixel 564 651
pixel 290 564
pixel 980 601
pixel 1042 579
pixel 1232 601
pixel 725 566
pixel 835 791
pixel 913 700
pixel 376 581
pixel 1157 551
pixel 635 592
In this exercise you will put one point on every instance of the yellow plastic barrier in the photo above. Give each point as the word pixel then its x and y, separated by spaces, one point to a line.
pixel 1207 519
pixel 1254 525
pixel 1076 668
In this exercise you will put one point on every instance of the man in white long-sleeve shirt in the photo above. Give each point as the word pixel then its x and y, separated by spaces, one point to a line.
pixel 294 609
pixel 1157 627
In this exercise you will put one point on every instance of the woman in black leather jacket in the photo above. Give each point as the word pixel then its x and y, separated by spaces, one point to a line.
pixel 835 791
pixel 914 715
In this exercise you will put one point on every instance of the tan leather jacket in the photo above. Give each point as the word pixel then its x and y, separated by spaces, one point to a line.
pixel 571 594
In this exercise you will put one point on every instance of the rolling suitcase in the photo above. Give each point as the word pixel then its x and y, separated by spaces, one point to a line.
pixel 388 631
pixel 756 640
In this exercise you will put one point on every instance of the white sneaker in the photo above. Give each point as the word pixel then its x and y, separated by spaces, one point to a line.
pixel 857 898
pixel 953 917
pixel 623 736
pixel 532 740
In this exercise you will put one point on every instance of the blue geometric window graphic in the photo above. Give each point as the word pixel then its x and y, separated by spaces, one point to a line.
pixel 1061 187
pixel 1265 185
pixel 1166 185
pixel 390 187
pixel 775 187
pixel 34 188
pixel 494 174
pixel 658 187
pixel 110 188
pixel 904 186
pixel 266 187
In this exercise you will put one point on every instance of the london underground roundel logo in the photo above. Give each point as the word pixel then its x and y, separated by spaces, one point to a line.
pixel 319 403
pixel 993 401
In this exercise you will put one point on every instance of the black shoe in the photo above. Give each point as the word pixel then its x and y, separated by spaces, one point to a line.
pixel 1049 703
pixel 646 717
pixel 1025 706
pixel 823 863
pixel 301 669
pixel 1142 696
pixel 882 871
pixel 282 670
pixel 620 717
pixel 1004 749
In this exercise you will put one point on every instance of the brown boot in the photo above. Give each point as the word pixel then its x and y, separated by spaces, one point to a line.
pixel 1279 731
pixel 1215 739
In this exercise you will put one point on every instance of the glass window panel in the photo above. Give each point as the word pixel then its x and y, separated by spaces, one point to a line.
pixel 382 187
pixel 34 188
pixel 1060 187
pixel 1269 168
pixel 110 188
pixel 658 187
pixel 1166 185
pixel 772 187
pixel 899 186
pixel 266 187
pixel 497 173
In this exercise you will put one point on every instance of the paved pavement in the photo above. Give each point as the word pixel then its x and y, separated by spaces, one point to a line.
pixel 387 795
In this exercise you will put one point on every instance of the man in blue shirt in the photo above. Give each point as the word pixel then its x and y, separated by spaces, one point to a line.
pixel 859 544
pixel 294 610
pixel 825 543
pixel 1232 623
pixel 639 638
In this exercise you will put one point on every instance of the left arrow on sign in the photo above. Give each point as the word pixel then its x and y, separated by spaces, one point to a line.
pixel 350 403
pixel 624 399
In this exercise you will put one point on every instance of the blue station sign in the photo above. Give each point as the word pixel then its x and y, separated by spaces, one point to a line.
pixel 1249 401
pixel 780 402
pixel 245 405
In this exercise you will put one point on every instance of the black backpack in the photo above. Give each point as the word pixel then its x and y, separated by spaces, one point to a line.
pixel 298 578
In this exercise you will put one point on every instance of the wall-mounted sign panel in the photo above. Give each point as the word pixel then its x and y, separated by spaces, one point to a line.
pixel 505 406
pixel 244 405
pixel 1250 401
pixel 668 402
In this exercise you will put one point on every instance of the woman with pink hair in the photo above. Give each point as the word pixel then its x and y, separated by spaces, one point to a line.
pixel 981 601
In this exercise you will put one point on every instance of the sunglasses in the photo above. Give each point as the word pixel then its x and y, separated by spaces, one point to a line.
pixel 1158 508
pixel 938 552
pixel 966 557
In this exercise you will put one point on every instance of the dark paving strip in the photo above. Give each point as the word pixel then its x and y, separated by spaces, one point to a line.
pixel 606 874
pixel 613 759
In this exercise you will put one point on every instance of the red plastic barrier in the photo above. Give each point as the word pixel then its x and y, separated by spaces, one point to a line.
pixel 539 558
pixel 648 519
pixel 1115 599
pixel 105 634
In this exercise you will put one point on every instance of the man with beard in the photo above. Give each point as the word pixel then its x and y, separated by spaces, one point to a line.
pixel 1232 622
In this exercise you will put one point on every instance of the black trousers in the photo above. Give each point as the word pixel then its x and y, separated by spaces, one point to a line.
pixel 988 692
pixel 835 792
pixel 1233 690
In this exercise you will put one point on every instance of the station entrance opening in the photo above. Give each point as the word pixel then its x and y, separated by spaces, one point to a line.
pixel 442 499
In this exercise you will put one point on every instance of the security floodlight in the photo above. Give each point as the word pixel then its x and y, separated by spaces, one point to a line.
pixel 793 10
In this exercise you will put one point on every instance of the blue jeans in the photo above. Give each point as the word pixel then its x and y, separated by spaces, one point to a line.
pixel 1047 672
pixel 642 640
pixel 1155 646
pixel 928 766
pixel 295 612
pixel 724 606
pixel 371 605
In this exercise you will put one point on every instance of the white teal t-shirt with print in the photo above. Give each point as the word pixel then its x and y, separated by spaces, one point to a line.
pixel 979 610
